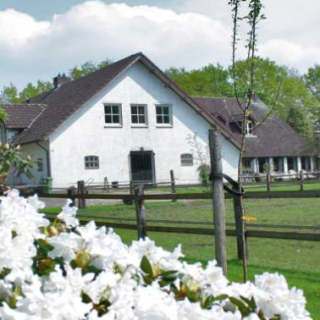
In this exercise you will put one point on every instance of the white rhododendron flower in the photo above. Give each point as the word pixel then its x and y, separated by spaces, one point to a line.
pixel 68 215
pixel 59 270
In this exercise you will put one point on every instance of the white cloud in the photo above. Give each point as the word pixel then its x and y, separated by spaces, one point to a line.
pixel 95 30
pixel 290 53
pixel 195 34
pixel 17 29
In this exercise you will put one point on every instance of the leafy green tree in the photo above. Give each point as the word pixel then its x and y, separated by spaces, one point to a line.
pixel 278 83
pixel 298 120
pixel 312 81
pixel 9 94
pixel 294 94
pixel 3 116
pixel 208 81
pixel 34 90
pixel 87 67
pixel 268 76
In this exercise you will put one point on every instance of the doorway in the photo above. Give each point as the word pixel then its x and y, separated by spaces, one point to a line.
pixel 142 166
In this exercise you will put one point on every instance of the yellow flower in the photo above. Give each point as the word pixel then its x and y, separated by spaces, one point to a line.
pixel 249 219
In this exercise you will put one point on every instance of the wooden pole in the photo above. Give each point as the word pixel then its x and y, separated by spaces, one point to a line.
pixel 81 192
pixel 106 184
pixel 173 183
pixel 72 196
pixel 131 191
pixel 140 211
pixel 240 227
pixel 218 199
pixel 268 181
pixel 301 180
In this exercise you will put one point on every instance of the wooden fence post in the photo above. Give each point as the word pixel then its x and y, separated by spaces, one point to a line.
pixel 72 196
pixel 81 193
pixel 173 184
pixel 301 180
pixel 268 181
pixel 106 184
pixel 131 190
pixel 218 199
pixel 140 211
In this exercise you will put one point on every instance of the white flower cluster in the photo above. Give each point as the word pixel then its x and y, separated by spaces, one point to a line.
pixel 62 271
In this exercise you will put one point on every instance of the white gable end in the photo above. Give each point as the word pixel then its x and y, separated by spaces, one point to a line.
pixel 85 133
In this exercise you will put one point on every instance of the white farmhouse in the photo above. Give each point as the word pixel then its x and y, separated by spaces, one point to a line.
pixel 125 122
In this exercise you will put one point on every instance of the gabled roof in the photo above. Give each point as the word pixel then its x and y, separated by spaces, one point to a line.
pixel 272 138
pixel 21 116
pixel 71 96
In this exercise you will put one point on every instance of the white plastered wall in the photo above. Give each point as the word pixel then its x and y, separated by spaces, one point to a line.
pixel 85 133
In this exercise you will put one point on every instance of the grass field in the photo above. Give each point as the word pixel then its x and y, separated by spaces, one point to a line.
pixel 290 185
pixel 299 261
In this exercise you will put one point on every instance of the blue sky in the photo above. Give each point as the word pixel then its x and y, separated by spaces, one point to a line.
pixel 41 38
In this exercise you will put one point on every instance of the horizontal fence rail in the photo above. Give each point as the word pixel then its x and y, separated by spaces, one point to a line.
pixel 204 223
pixel 188 196
pixel 207 231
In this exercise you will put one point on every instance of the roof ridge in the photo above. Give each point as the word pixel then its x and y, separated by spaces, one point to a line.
pixel 47 93
pixel 208 97
pixel 24 104
pixel 103 68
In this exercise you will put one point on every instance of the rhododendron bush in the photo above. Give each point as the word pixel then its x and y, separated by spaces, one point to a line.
pixel 63 271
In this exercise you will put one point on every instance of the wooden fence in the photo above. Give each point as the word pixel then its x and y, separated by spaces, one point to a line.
pixel 141 224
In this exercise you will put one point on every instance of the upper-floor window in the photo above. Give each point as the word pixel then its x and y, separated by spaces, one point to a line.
pixel 112 114
pixel 187 159
pixel 164 115
pixel 139 114
pixel 91 162
pixel 249 128
pixel 40 164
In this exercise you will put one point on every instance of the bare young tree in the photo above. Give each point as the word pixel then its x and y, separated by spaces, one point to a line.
pixel 244 92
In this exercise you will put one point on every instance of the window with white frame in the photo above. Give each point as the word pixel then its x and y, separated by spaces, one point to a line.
pixel 91 162
pixel 249 129
pixel 40 164
pixel 139 114
pixel 112 114
pixel 187 160
pixel 163 114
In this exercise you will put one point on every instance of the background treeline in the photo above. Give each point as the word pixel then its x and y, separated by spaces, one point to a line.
pixel 297 96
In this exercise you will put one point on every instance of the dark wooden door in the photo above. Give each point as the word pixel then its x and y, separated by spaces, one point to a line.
pixel 142 166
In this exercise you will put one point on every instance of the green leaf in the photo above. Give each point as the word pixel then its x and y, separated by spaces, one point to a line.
pixel 221 297
pixel 207 302
pixel 146 267
pixel 245 311
pixel 250 302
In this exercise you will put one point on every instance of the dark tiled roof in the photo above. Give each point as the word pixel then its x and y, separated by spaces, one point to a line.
pixel 68 98
pixel 271 139
pixel 21 116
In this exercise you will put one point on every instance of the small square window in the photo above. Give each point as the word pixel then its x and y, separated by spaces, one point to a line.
pixel 164 116
pixel 186 160
pixel 139 114
pixel 91 162
pixel 40 164
pixel 113 114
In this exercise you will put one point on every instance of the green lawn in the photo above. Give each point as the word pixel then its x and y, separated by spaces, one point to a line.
pixel 299 261
pixel 290 185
